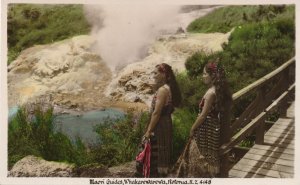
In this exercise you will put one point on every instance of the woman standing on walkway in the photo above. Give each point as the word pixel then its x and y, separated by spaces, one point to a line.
pixel 200 157
pixel 165 99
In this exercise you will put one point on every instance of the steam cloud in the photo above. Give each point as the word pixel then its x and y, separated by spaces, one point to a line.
pixel 124 32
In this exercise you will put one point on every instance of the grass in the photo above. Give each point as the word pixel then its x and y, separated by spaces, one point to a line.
pixel 225 18
pixel 31 24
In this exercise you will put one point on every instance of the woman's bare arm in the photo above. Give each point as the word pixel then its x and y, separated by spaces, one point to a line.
pixel 161 98
pixel 209 99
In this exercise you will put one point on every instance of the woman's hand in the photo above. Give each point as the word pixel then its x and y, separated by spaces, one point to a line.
pixel 147 135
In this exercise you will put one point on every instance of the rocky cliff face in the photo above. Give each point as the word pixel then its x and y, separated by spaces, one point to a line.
pixel 31 166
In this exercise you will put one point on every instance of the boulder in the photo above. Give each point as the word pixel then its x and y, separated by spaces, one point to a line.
pixel 125 170
pixel 32 166
pixel 93 170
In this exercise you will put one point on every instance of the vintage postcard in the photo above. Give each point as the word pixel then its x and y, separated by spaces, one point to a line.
pixel 149 92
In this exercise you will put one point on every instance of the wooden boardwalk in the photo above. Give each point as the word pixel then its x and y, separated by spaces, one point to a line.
pixel 275 158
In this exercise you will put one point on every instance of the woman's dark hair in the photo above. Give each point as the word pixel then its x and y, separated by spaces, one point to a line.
pixel 171 81
pixel 223 94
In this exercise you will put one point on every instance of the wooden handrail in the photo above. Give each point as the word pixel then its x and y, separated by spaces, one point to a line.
pixel 263 99
pixel 253 117
pixel 241 135
pixel 249 127
pixel 261 81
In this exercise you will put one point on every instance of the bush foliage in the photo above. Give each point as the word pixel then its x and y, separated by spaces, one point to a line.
pixel 30 24
pixel 119 141
pixel 253 50
pixel 225 18
pixel 263 39
pixel 31 132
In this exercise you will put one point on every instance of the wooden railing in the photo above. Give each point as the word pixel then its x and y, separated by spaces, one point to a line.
pixel 271 91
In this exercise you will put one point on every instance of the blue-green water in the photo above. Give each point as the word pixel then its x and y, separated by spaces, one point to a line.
pixel 12 112
pixel 83 125
pixel 80 125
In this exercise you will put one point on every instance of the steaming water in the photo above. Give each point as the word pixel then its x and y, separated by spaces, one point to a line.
pixel 124 32
pixel 80 125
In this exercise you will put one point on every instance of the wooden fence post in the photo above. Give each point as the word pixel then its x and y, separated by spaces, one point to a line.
pixel 260 130
pixel 260 133
pixel 224 165
pixel 284 105
pixel 225 138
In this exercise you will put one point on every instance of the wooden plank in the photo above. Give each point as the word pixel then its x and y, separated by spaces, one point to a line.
pixel 269 159
pixel 266 165
pixel 290 132
pixel 272 154
pixel 282 126
pixel 284 130
pixel 287 138
pixel 290 113
pixel 274 148
pixel 263 171
pixel 284 146
pixel 279 139
pixel 280 144
pixel 281 136
pixel 284 121
pixel 279 132
pixel 241 174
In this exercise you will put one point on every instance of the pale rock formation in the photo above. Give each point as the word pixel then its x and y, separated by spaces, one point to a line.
pixel 31 166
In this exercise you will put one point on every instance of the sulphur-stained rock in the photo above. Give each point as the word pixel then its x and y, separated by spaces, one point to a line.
pixel 67 68
pixel 31 166
pixel 136 79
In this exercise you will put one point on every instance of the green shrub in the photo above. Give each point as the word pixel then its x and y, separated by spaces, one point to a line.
pixel 254 50
pixel 31 24
pixel 119 140
pixel 31 132
pixel 183 120
pixel 225 18
pixel 191 83
pixel 258 45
